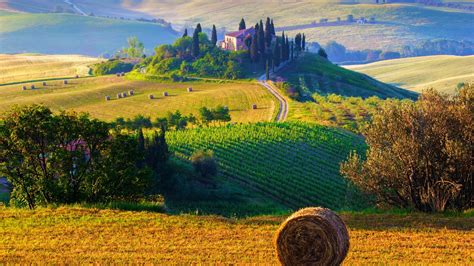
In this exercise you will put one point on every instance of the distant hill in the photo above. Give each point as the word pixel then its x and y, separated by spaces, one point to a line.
pixel 314 74
pixel 73 34
pixel 439 72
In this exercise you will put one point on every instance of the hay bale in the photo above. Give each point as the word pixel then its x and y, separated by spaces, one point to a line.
pixel 254 107
pixel 190 89
pixel 44 83
pixel 77 76
pixel 151 96
pixel 32 87
pixel 65 82
pixel 119 96
pixel 123 74
pixel 165 94
pixel 107 98
pixel 118 74
pixel 312 236
pixel 131 92
pixel 124 95
pixel 24 88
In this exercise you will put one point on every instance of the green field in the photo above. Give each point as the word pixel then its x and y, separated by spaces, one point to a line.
pixel 88 95
pixel 74 34
pixel 442 72
pixel 295 164
pixel 313 74
pixel 26 67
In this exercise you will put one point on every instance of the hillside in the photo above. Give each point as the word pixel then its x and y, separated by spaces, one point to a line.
pixel 439 72
pixel 397 24
pixel 313 74
pixel 88 95
pixel 79 235
pixel 24 67
pixel 74 34
pixel 295 164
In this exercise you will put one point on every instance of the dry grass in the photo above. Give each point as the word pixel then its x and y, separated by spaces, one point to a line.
pixel 441 72
pixel 24 67
pixel 88 95
pixel 80 235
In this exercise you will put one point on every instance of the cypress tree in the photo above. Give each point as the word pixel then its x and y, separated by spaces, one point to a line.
pixel 198 28
pixel 242 25
pixel 267 71
pixel 303 43
pixel 214 35
pixel 261 38
pixel 268 33
pixel 292 51
pixel 185 34
pixel 196 48
pixel 287 52
pixel 254 49
pixel 276 56
pixel 273 28
pixel 298 42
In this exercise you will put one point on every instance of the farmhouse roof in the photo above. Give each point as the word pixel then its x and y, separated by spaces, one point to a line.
pixel 241 33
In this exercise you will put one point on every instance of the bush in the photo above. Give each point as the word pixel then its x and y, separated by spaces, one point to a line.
pixel 69 158
pixel 112 66
pixel 420 154
pixel 204 164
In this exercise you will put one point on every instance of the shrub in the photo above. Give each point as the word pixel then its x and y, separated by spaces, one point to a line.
pixel 204 164
pixel 420 154
pixel 112 66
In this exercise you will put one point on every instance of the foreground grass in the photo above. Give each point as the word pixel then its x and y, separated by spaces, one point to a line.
pixel 73 234
pixel 88 95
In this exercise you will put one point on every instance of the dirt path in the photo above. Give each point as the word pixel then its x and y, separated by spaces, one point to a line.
pixel 283 112
pixel 75 7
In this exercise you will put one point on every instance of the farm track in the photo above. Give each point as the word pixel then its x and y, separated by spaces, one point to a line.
pixel 283 112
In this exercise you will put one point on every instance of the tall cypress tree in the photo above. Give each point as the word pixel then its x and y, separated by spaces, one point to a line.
pixel 303 43
pixel 242 25
pixel 276 55
pixel 268 33
pixel 196 48
pixel 214 35
pixel 254 49
pixel 261 39
pixel 273 28
pixel 287 52
pixel 267 71
pixel 298 42
pixel 198 28
pixel 185 34
pixel 292 50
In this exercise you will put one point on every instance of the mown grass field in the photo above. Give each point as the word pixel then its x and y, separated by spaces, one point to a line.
pixel 88 95
pixel 50 33
pixel 27 67
pixel 79 235
pixel 441 72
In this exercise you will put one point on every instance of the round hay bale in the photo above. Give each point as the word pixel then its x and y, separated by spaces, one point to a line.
pixel 124 95
pixel 107 98
pixel 131 92
pixel 254 107
pixel 77 76
pixel 119 95
pixel 151 96
pixel 312 236
pixel 24 88
pixel 32 87
pixel 165 93
pixel 118 74
pixel 44 83
pixel 190 89
pixel 65 82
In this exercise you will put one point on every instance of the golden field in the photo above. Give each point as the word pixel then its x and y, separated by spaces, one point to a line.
pixel 80 235
pixel 26 67
pixel 88 95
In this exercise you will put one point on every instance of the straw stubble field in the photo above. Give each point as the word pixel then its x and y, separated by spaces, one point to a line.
pixel 81 235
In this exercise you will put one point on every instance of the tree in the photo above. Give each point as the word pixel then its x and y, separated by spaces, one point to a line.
pixel 303 43
pixel 267 71
pixel 185 34
pixel 196 48
pixel 242 24
pixel 268 33
pixel 261 39
pixel 322 53
pixel 276 55
pixel 214 36
pixel 292 50
pixel 272 27
pixel 135 48
pixel 204 164
pixel 298 40
pixel 198 28
pixel 420 153
pixel 254 55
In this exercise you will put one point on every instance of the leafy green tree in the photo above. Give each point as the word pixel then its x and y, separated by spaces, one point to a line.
pixel 204 164
pixel 183 47
pixel 242 25
pixel 135 48
pixel 214 36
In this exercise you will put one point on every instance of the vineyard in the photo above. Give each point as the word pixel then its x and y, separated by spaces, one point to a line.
pixel 296 164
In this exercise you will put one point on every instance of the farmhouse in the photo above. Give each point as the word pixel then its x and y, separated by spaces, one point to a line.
pixel 235 41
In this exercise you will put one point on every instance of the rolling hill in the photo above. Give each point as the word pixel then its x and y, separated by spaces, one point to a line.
pixel 442 72
pixel 73 34
pixel 26 67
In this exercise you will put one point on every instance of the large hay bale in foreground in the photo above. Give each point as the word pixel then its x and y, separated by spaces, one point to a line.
pixel 312 236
